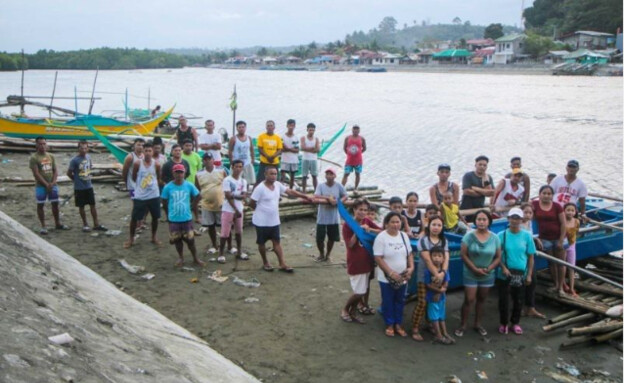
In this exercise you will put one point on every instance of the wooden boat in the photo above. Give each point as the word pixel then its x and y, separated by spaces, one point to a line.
pixel 593 240
pixel 76 128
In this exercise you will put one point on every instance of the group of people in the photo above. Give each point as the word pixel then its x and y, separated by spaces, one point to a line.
pixel 192 188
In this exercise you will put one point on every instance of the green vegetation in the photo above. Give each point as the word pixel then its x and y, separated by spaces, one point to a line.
pixel 493 31
pixel 105 58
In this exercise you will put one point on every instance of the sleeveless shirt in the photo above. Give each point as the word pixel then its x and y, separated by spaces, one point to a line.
pixel 147 183
pixel 354 151
pixel 309 144
pixel 241 150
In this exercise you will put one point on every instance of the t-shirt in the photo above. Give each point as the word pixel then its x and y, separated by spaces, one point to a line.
pixel 548 224
pixel 46 165
pixel 211 189
pixel 236 187
pixel 508 196
pixel 450 215
pixel 472 179
pixel 328 214
pixel 515 249
pixel 166 171
pixel 81 169
pixel 195 165
pixel 359 261
pixel 431 293
pixel 395 251
pixel 568 192
pixel 425 244
pixel 179 197
pixel 480 253
pixel 211 139
pixel 270 144
pixel 290 143
pixel 267 204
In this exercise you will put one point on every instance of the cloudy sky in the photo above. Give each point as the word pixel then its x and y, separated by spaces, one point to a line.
pixel 80 24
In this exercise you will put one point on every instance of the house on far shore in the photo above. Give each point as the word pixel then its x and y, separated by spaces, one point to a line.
pixel 388 59
pixel 588 39
pixel 484 56
pixel 453 56
pixel 585 56
pixel 477 44
pixel 555 57
pixel 425 56
pixel 509 48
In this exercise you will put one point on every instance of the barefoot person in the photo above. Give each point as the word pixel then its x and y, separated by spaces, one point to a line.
pixel 310 147
pixel 80 172
pixel 209 182
pixel 354 146
pixel 240 148
pixel 476 185
pixel 235 190
pixel 43 167
pixel 290 154
pixel 145 175
pixel 327 219
pixel 177 197
pixel 265 202
pixel 270 148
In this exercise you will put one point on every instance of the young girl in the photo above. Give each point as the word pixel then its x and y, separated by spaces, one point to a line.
pixel 572 228
pixel 412 214
pixel 430 211
pixel 529 296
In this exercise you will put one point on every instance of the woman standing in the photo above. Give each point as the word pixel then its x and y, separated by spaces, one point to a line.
pixel 481 253
pixel 395 264
pixel 551 224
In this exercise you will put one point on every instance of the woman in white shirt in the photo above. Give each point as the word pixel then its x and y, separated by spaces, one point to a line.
pixel 395 264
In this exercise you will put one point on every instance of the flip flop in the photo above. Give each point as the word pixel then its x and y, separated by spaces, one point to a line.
pixel 62 227
pixel 43 231
pixel 400 331
pixel 86 229
pixel 358 319
pixel 443 340
pixel 517 329
pixel 100 228
pixel 267 268
pixel 480 330
pixel 417 337
pixel 127 244
pixel 459 332
pixel 286 269
pixel 345 317
pixel 389 331
pixel 366 310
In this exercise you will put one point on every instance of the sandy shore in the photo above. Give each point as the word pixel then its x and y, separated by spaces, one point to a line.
pixel 294 333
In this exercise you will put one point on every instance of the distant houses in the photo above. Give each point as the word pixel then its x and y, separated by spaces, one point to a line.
pixel 588 40
pixel 509 48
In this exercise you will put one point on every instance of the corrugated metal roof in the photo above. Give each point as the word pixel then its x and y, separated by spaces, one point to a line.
pixel 510 38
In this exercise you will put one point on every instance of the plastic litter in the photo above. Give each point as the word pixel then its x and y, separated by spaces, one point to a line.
pixel 560 377
pixel 132 269
pixel 570 369
pixel 194 280
pixel 482 375
pixel 489 355
pixel 453 379
pixel 600 372
pixel 186 268
pixel 148 276
pixel 61 339
pixel 615 311
pixel 251 300
pixel 5 161
pixel 217 277
pixel 307 245
pixel 252 283
pixel 112 233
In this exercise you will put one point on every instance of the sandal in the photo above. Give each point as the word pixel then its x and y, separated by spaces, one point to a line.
pixel 358 319
pixel 503 329
pixel 517 329
pixel 86 229
pixel 450 338
pixel 43 231
pixel 442 340
pixel 267 268
pixel 417 337
pixel 399 330
pixel 481 331
pixel 366 310
pixel 62 227
pixel 100 228
pixel 389 331
pixel 459 332
pixel 221 259
pixel 243 257
pixel 345 317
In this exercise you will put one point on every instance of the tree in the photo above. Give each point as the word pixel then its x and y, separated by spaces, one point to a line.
pixel 457 21
pixel 493 31
pixel 537 46
pixel 462 43
pixel 388 25
pixel 262 52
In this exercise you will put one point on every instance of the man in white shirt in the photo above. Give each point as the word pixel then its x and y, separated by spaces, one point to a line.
pixel 265 202
pixel 211 141
pixel 235 191
pixel 570 188
pixel 290 153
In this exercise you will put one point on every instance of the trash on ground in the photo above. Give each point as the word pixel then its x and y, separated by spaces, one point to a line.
pixel 186 268
pixel 489 355
pixel 112 233
pixel 61 339
pixel 251 300
pixel 217 277
pixel 570 369
pixel 148 276
pixel 615 311
pixel 307 245
pixel 453 379
pixel 482 375
pixel 15 360
pixel 194 280
pixel 5 161
pixel 253 282
pixel 560 377
pixel 132 269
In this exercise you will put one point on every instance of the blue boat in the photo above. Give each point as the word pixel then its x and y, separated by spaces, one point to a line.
pixel 592 240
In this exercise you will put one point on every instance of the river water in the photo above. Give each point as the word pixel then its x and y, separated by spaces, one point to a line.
pixel 411 121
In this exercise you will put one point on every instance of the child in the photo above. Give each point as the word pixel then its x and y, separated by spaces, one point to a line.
pixel 412 215
pixel 572 228
pixel 396 205
pixel 453 221
pixel 550 177
pixel 436 298
pixel 372 213
pixel 430 211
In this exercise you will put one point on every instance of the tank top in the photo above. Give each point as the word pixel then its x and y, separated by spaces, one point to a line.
pixel 415 223
pixel 438 194
pixel 129 181
pixel 147 183
pixel 241 150
pixel 354 151
pixel 309 144
pixel 507 194
pixel 183 136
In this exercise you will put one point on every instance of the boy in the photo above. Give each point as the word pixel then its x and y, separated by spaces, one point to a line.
pixel 396 205
pixel 431 211
pixel 436 298
pixel 453 221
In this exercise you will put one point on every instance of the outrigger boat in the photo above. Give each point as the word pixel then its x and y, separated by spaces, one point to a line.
pixel 601 236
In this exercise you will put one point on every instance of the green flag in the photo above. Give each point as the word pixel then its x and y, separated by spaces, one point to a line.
pixel 233 103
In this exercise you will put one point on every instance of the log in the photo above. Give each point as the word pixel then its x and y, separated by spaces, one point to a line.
pixel 565 316
pixel 569 321
pixel 596 307
pixel 600 329
pixel 610 335
pixel 576 341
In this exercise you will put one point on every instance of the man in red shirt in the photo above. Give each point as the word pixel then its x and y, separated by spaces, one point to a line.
pixel 354 146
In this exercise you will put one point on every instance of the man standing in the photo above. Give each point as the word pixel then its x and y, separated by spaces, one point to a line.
pixel 270 148
pixel 185 132
pixel 166 173
pixel 235 190
pixel 508 193
pixel 131 158
pixel 290 154
pixel 516 163
pixel 209 182
pixel 80 172
pixel 146 175
pixel 354 146
pixel 327 220
pixel 43 167
pixel 177 197
pixel 157 148
pixel 569 188
pixel 265 200
pixel 476 185
pixel 193 159
pixel 211 141
pixel 240 148
pixel 310 146
pixel 440 188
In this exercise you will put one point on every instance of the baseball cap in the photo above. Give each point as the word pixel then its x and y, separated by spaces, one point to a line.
pixel 330 170
pixel 516 171
pixel 573 164
pixel 444 166
pixel 207 155
pixel 516 211
pixel 179 168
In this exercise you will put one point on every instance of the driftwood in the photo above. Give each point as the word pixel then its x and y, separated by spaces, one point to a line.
pixel 596 328
pixel 565 316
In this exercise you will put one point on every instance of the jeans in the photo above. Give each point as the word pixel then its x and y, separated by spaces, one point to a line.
pixel 392 303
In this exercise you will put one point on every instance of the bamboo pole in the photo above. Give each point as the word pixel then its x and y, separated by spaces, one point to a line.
pixel 596 195
pixel 608 336
pixel 600 329
pixel 576 341
pixel 565 316
pixel 605 225
pixel 579 269
pixel 569 321
pixel 593 306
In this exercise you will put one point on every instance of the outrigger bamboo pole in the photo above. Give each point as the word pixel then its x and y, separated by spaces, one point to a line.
pixel 605 225
pixel 565 316
pixel 569 321
pixel 605 197
pixel 595 329
pixel 579 269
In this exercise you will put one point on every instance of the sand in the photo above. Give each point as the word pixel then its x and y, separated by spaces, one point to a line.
pixel 294 333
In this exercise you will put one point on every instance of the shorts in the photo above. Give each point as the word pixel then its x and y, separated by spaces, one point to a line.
pixel 290 167
pixel 210 218
pixel 249 174
pixel 227 218
pixel 309 167
pixel 348 169
pixel 332 232
pixel 436 311
pixel 84 197
pixel 42 194
pixel 549 245
pixel 570 254
pixel 261 168
pixel 265 233
pixel 359 283
pixel 142 206
pixel 470 281
pixel 181 230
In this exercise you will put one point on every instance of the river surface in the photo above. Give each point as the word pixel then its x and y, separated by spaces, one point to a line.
pixel 411 121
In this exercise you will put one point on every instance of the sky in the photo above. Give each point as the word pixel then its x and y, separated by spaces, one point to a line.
pixel 82 24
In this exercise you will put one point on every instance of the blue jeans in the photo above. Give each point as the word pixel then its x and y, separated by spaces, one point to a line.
pixel 392 303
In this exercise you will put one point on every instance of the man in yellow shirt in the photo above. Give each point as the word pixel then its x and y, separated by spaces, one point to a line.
pixel 270 148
